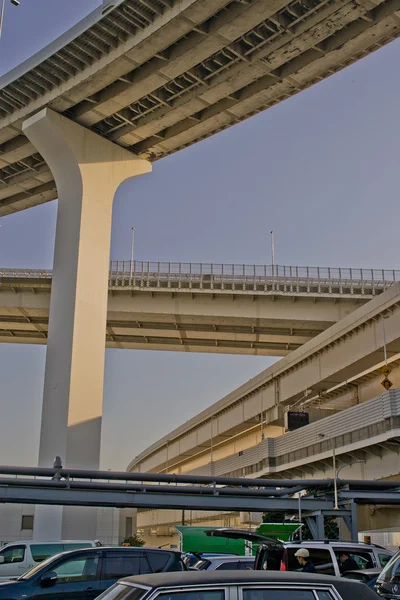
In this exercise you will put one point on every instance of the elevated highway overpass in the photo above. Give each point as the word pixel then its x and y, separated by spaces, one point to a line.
pixel 246 309
pixel 155 76
pixel 336 370
pixel 133 82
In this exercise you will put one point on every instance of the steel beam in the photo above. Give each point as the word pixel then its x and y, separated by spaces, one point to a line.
pixel 150 499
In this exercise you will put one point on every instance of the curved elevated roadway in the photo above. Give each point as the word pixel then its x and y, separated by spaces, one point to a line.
pixel 155 76
pixel 242 309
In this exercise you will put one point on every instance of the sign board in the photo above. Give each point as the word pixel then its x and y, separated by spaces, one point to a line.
pixel 386 370
pixel 295 420
pixel 387 384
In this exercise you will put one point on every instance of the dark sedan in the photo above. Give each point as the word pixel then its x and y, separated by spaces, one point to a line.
pixel 245 585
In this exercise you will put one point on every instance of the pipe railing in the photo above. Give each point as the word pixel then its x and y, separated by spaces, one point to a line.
pixel 237 278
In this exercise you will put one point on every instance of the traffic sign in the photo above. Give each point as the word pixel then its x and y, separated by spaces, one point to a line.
pixel 387 384
pixel 386 370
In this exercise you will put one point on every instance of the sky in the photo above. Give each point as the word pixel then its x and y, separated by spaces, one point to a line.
pixel 320 169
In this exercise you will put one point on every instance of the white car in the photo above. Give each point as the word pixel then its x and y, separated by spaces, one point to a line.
pixel 18 557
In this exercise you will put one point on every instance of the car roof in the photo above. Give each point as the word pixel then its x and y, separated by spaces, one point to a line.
pixel 180 578
pixel 34 542
pixel 333 543
pixel 231 557
pixel 84 551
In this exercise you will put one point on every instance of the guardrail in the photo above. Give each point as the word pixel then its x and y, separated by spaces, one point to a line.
pixel 251 278
pixel 236 278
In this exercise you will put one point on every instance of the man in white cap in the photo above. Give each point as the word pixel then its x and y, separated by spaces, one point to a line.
pixel 303 557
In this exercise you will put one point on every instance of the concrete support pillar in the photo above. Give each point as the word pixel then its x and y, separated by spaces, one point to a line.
pixel 87 170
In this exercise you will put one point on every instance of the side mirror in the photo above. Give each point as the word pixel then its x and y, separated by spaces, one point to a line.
pixel 48 579
pixel 2 560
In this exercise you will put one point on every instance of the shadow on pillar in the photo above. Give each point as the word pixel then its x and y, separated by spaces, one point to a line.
pixel 83 449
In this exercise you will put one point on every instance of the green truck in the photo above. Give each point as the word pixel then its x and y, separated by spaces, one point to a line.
pixel 193 540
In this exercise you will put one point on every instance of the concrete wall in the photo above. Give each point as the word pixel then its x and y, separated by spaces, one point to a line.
pixel 11 522
pixel 111 523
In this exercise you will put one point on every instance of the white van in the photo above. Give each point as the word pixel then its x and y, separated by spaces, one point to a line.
pixel 18 557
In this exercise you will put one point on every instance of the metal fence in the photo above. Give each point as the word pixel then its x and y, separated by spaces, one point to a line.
pixel 236 278
pixel 250 278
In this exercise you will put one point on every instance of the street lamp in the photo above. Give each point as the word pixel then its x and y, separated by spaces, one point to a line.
pixel 3 3
pixel 354 462
pixel 132 251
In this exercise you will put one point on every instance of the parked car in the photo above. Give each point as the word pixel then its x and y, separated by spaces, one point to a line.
pixel 17 557
pixel 388 582
pixel 324 555
pixel 230 585
pixel 85 574
pixel 225 563
pixel 367 576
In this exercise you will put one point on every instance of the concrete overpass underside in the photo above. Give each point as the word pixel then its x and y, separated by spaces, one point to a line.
pixel 156 76
pixel 258 322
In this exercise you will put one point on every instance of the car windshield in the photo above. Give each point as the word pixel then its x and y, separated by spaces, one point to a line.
pixel 38 567
pixel 119 591
pixel 391 570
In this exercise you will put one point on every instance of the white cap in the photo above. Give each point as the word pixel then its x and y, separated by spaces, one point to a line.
pixel 303 552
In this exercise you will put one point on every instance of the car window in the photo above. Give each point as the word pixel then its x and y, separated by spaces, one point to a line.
pixel 194 595
pixel 246 564
pixel 232 565
pixel 42 551
pixel 15 554
pixel 79 546
pixel 81 568
pixel 124 564
pixel 391 571
pixel 320 558
pixel 383 558
pixel 120 591
pixel 278 594
pixel 324 595
pixel 362 559
pixel 158 561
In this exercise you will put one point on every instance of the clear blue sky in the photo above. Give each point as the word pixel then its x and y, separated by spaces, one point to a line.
pixel 321 169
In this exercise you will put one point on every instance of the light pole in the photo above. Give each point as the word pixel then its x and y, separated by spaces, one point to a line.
pixel 3 3
pixel 384 340
pixel 132 251
pixel 273 249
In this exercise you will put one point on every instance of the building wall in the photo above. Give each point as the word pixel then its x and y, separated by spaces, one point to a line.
pixel 111 523
pixel 11 522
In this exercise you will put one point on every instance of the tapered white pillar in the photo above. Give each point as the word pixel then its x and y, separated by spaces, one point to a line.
pixel 87 170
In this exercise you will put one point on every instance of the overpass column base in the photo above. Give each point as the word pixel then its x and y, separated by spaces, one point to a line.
pixel 87 170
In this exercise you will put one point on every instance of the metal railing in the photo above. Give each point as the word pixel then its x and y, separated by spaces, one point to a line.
pixel 251 278
pixel 236 278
